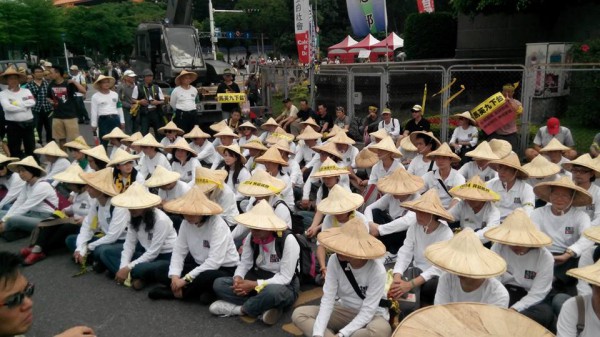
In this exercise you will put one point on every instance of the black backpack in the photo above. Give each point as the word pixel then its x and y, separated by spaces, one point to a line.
pixel 354 129
pixel 297 220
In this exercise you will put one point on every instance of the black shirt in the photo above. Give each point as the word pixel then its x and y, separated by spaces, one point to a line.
pixel 372 125
pixel 322 120
pixel 423 125
pixel 63 95
pixel 304 114
pixel 231 88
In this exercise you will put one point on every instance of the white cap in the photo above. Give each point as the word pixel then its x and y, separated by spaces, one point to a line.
pixel 417 107
pixel 129 73
pixel 74 67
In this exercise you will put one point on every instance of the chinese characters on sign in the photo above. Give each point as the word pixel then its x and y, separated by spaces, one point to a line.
pixel 493 113
pixel 301 26
pixel 231 98
pixel 426 6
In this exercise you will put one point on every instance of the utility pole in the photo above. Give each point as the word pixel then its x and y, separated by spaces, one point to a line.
pixel 213 38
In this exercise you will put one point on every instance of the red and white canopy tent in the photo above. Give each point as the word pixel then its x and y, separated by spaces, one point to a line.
pixel 341 50
pixel 365 45
pixel 389 44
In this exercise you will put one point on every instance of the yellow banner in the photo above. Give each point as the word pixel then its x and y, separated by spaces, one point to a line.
pixel 484 189
pixel 263 185
pixel 488 106
pixel 231 98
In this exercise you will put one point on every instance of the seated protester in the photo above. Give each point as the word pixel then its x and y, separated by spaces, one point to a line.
pixel 585 171
pixel 218 127
pixel 10 181
pixel 554 152
pixel 511 185
pixel 114 139
pixel 476 209
pixel 528 277
pixel 125 173
pixel 390 125
pixel 479 166
pixel 292 169
pixel 128 143
pixel 233 164
pixel 226 138
pixel 56 160
pixel 345 147
pixel 149 241
pixel 595 147
pixel 183 160
pixel 37 201
pixel 568 320
pixel 444 178
pixel 152 156
pixel 310 121
pixel 247 131
pixel 408 150
pixel 75 147
pixel 563 220
pixel 469 271
pixel 96 158
pixel 465 135
pixel 589 257
pixel 274 163
pixel 216 256
pixel 388 160
pixel 425 142
pixel 429 227
pixel 104 226
pixel 200 144
pixel 235 119
pixel 280 134
pixel 552 131
pixel 541 170
pixel 370 123
pixel 365 160
pixel 212 182
pixel 341 119
pixel 264 282
pixel 255 149
pixel 172 134
pixel 354 287
pixel 269 126
pixel 388 220
pixel 417 123
pixel 304 152
pixel 52 235
pixel 169 187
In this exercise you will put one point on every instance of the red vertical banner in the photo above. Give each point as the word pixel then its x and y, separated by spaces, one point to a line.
pixel 302 28
pixel 426 6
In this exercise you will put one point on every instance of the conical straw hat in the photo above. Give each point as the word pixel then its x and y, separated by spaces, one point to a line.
pixel 500 147
pixel 430 203
pixel 220 126
pixel 161 177
pixel 340 201
pixel 352 240
pixel 77 144
pixel 261 217
pixel 194 202
pixel 328 148
pixel 310 121
pixel 466 115
pixel 474 189
pixel 101 180
pixel 400 182
pixel 196 133
pixel 208 179
pixel 269 122
pixel 593 233
pixel 554 145
pixel 444 151
pixel 184 72
pixel 148 140
pixel 278 134
pixel 226 132
pixel 255 144
pixel 283 145
pixel 407 145
pixel 115 133
pixel 511 160
pixel 97 152
pixel 121 157
pixel 468 320
pixel 541 167
pixel 4 159
pixel 134 137
pixel 136 197
pixel 181 144
pixel 70 175
pixel 584 160
pixel 110 79
pixel 261 184
pixel 518 230
pixel 330 169
pixel 171 126
pixel 28 161
pixel 233 147
pixel 386 144
pixel 379 134
pixel 248 124
pixel 335 130
pixel 309 133
pixel 483 151
pixel 589 274
pixel 342 138
pixel 413 136
pixel 51 149
pixel 272 155
pixel 12 71
pixel 582 196
pixel 465 255
pixel 366 158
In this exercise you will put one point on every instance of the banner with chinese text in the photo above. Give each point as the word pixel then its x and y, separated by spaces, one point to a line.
pixel 302 29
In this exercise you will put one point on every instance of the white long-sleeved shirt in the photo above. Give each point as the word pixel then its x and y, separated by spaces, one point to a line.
pixel 281 211
pixel 593 210
pixel 432 180
pixel 187 171
pixel 568 318
pixel 210 245
pixel 419 167
pixel 17 105
pixel 348 157
pixel 519 196
pixel 39 197
pixel 371 280
pixel 167 142
pixel 100 219
pixel 184 99
pixel 80 206
pixel 565 231
pixel 402 218
pixel 471 169
pixel 532 272
pixel 205 152
pixel 287 194
pixel 392 128
pixel 304 153
pixel 490 292
pixel 378 171
pixel 487 217
pixel 14 186
pixel 243 175
pixel 60 165
pixel 148 165
pixel 105 105
pixel 344 178
pixel 159 240
pixel 295 173
pixel 226 199
pixel 177 191
pixel 586 259
pixel 461 135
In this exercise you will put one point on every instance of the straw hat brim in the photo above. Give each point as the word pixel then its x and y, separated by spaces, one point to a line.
pixel 123 159
pixel 255 146
pixel 111 80
pixel 185 73
pixel 254 188
pixel 543 190
pixel 194 202
pixel 105 185
pixel 484 264
pixel 51 150
pixel 366 158
pixel 221 149
pixel 255 219
pixel 331 173
pixel 593 233
pixel 465 116
pixel 364 248
pixel 529 239
pixel 474 192
pixel 163 179
pixel 166 128
pixel 589 164
pixel 24 162
pixel 117 134
pixel 340 206
pixel 521 173
pixel 413 137
pixel 185 147
pixel 589 274
pixel 546 170
pixel 97 154
pixel 70 175
pixel 74 144
pixel 427 207
pixel 330 150
pixel 391 185
pixel 8 72
pixel 4 159
pixel 141 200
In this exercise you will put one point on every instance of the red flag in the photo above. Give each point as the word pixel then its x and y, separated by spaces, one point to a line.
pixel 426 6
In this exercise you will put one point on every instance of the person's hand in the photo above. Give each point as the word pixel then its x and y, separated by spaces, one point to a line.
pixel 77 221
pixel 78 257
pixel 177 285
pixel 143 102
pixel 155 102
pixel 77 331
pixel 312 231
pixel 560 259
pixel 399 287
pixel 122 275
pixel 373 229
pixel 122 126
pixel 323 272
pixel 364 183
pixel 305 203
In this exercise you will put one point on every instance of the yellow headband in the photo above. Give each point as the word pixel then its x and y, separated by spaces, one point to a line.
pixel 263 185
pixel 209 181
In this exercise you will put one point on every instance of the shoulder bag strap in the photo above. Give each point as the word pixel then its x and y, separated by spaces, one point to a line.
pixel 351 278
pixel 580 314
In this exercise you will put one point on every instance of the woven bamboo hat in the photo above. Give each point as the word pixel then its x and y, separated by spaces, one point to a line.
pixel 386 144
pixel 209 179
pixel 12 71
pixel 335 130
pixel 97 152
pixel 309 133
pixel 194 202
pixel 465 255
pixel 582 196
pixel 466 115
pixel 330 169
pixel 161 177
pixel 148 140
pixel 342 138
pixel 379 134
pixel 5 159
pixel 468 320
pixel 483 151
pixel 593 233
pixel 518 230
pixel 541 167
pixel 353 240
pixel 134 137
pixel 269 122
pixel 261 217
pixel 366 158
pixel 272 155
pixel 183 73
pixel 136 197
pixel 171 126
pixel 255 144
pixel 227 132
pixel 101 180
pixel 116 133
pixel 51 149
pixel 589 274
pixel 584 160
pixel 121 157
pixel 233 147
pixel 501 148
pixel 340 201
pixel 328 148
pixel 77 144
pixel 279 133
pixel 196 132
pixel 28 161
pixel 101 78
pixel 261 184
pixel 554 145
pixel 283 145
pixel 511 160
pixel 181 144
pixel 248 124
pixel 310 121
pixel 407 145
pixel 444 151
pixel 429 202
pixel 400 182
pixel 413 136
pixel 474 189
pixel 220 126
pixel 70 175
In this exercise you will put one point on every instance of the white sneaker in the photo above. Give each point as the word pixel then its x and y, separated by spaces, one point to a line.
pixel 271 316
pixel 389 258
pixel 224 309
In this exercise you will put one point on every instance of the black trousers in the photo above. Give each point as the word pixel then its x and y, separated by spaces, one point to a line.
pixel 53 237
pixel 20 134
pixel 541 312
pixel 43 121
pixel 151 118
pixel 185 119
pixel 392 241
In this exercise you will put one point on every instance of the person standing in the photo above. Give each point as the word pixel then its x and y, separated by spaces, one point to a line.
pixel 150 98
pixel 79 77
pixel 17 103
pixel 61 93
pixel 252 87
pixel 125 90
pixel 107 112
pixel 228 86
pixel 508 131
pixel 184 99
pixel 42 110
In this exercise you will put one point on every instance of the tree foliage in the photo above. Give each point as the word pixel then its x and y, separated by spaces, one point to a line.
pixel 472 7
pixel 430 35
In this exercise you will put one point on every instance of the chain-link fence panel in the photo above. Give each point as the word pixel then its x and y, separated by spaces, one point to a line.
pixel 278 81
pixel 332 88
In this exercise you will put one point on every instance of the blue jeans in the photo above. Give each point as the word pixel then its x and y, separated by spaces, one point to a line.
pixel 71 242
pixel 20 226
pixel 146 271
pixel 272 296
